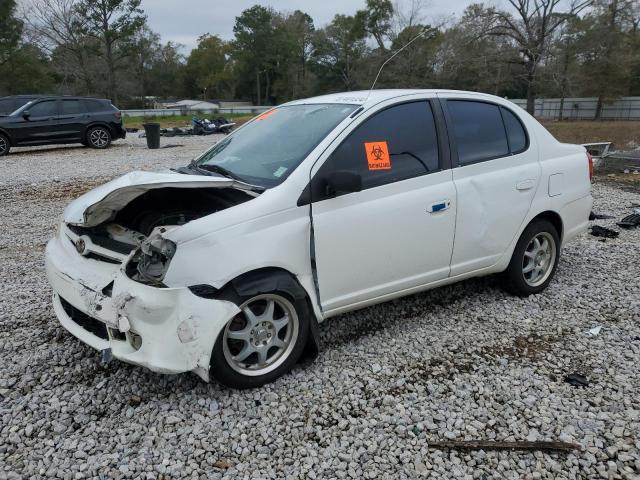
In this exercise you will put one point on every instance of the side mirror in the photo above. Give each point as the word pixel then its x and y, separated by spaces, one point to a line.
pixel 26 114
pixel 343 181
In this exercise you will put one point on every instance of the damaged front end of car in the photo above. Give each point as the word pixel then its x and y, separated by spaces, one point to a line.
pixel 108 262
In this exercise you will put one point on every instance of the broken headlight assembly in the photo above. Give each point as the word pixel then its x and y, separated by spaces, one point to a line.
pixel 151 261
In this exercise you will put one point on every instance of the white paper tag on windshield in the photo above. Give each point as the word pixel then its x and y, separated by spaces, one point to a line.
pixel 279 172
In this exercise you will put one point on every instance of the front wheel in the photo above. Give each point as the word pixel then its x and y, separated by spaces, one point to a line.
pixel 4 145
pixel 99 137
pixel 534 259
pixel 262 342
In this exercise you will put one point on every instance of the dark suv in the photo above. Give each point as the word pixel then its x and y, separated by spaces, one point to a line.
pixel 91 121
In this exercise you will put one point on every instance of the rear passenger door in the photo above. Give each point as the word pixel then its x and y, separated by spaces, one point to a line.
pixel 496 178
pixel 73 116
pixel 397 233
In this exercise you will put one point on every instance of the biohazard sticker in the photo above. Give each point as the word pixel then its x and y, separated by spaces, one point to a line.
pixel 378 155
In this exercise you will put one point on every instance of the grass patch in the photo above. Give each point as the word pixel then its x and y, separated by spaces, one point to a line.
pixel 182 120
pixel 625 135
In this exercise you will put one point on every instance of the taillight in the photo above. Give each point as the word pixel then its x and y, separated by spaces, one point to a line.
pixel 118 115
pixel 590 158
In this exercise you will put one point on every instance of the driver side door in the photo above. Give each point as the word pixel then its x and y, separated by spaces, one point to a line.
pixel 397 232
pixel 41 126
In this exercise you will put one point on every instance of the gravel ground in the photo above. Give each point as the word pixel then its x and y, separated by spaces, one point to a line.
pixel 461 362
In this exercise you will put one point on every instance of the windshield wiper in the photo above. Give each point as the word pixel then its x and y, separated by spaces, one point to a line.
pixel 209 169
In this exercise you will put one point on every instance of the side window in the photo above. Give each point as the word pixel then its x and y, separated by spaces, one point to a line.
pixel 478 130
pixel 48 108
pixel 71 107
pixel 393 145
pixel 515 131
pixel 6 106
pixel 93 106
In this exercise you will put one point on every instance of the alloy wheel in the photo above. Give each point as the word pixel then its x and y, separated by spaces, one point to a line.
pixel 262 336
pixel 3 145
pixel 99 137
pixel 539 259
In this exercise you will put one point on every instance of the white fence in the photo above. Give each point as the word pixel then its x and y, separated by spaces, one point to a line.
pixel 624 108
pixel 170 112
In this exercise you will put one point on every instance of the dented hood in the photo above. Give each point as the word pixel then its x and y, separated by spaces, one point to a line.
pixel 103 202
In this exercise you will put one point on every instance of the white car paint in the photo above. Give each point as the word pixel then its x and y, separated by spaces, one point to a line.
pixel 369 246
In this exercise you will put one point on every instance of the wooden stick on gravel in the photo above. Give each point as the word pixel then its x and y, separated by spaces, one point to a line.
pixel 498 445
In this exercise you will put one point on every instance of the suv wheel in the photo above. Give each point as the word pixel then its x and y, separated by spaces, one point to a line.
pixel 99 137
pixel 262 342
pixel 534 259
pixel 5 146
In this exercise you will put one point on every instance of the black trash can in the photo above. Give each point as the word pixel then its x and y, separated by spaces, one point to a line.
pixel 152 131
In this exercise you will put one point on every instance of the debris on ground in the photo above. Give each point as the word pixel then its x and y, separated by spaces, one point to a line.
pixel 599 216
pixel 595 331
pixel 630 221
pixel 498 445
pixel 577 380
pixel 598 231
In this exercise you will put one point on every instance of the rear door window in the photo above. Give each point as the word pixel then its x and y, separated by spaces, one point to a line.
pixel 479 131
pixel 515 131
pixel 395 144
pixel 46 108
pixel 72 107
pixel 94 106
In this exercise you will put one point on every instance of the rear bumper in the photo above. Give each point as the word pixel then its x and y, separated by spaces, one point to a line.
pixel 168 330
pixel 575 217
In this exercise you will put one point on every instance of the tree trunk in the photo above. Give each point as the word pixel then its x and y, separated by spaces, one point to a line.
pixel 561 112
pixel 267 87
pixel 598 108
pixel 258 86
pixel 531 94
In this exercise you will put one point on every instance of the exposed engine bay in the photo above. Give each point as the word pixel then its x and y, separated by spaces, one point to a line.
pixel 140 223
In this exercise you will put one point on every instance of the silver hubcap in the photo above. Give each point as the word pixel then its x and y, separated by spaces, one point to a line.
pixel 539 258
pixel 262 336
pixel 99 137
pixel 3 145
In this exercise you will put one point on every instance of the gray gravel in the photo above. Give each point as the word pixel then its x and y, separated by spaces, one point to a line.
pixel 461 362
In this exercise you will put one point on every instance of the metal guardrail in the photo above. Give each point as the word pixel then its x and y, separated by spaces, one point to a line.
pixel 584 108
pixel 170 112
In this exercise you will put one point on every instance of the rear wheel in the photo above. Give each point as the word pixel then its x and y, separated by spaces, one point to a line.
pixel 534 259
pixel 262 342
pixel 5 146
pixel 99 137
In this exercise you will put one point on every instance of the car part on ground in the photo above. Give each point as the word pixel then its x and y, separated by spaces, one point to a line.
pixel 599 216
pixel 577 380
pixel 604 232
pixel 630 221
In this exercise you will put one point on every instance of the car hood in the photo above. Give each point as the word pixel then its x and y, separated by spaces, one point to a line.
pixel 102 203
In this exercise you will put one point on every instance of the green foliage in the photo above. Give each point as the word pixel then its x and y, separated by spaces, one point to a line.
pixel 10 30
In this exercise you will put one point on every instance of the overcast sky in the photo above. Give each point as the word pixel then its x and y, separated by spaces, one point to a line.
pixel 183 21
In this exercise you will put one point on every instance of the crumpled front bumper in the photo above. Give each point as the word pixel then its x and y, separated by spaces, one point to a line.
pixel 177 329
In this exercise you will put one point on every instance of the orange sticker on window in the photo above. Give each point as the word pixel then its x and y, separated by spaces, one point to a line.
pixel 378 155
pixel 266 115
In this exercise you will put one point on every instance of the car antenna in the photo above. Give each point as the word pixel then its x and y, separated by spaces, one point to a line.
pixel 422 32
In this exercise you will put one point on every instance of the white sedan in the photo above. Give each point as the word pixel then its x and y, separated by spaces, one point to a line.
pixel 314 208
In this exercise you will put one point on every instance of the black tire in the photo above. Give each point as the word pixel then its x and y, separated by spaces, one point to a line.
pixel 99 137
pixel 5 145
pixel 515 278
pixel 221 367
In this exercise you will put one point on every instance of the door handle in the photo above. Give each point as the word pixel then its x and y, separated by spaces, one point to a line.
pixel 525 184
pixel 439 206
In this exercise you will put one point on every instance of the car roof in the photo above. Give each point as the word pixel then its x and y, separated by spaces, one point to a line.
pixel 371 97
pixel 65 97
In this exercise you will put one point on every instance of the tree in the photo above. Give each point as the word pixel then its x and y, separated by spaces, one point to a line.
pixel 339 49
pixel 253 46
pixel 531 29
pixel 113 24
pixel 207 69
pixel 377 20
pixel 10 30
pixel 57 28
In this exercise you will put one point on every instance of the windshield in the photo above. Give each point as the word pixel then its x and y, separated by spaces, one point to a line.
pixel 266 151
